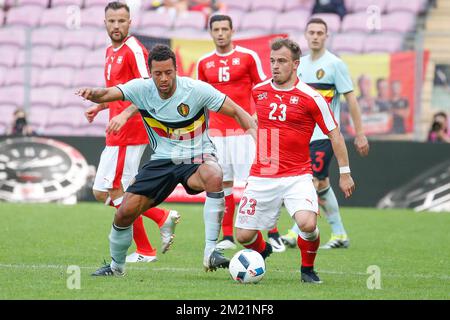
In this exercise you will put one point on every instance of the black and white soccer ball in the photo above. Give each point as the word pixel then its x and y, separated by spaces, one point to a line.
pixel 247 266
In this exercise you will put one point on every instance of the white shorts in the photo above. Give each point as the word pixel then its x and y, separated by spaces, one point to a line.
pixel 235 155
pixel 118 166
pixel 260 205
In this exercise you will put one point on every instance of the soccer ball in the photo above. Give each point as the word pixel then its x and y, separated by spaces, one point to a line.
pixel 247 266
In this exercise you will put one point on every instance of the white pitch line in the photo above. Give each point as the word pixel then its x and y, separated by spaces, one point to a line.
pixel 170 269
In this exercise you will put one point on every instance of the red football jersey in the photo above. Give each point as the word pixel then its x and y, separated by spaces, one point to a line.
pixel 233 74
pixel 123 64
pixel 286 121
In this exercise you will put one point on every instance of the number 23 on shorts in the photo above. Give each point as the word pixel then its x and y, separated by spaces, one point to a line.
pixel 248 206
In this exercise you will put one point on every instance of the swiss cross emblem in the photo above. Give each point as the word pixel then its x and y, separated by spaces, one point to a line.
pixel 210 65
pixel 119 59
pixel 236 61
pixel 294 100
pixel 262 96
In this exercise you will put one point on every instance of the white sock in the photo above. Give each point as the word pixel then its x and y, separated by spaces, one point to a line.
pixel 212 215
pixel 331 209
pixel 119 241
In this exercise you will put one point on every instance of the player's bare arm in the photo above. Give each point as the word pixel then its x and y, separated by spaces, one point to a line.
pixel 361 142
pixel 92 111
pixel 116 123
pixel 245 120
pixel 340 150
pixel 100 95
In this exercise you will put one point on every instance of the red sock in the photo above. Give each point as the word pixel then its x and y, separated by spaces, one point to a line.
pixel 274 230
pixel 158 215
pixel 143 245
pixel 308 250
pixel 228 217
pixel 258 245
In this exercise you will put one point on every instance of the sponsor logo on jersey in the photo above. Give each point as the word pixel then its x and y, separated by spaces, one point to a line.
pixel 119 59
pixel 236 61
pixel 112 59
pixel 210 65
pixel 320 74
pixel 262 96
pixel 183 110
pixel 294 100
pixel 225 62
pixel 279 97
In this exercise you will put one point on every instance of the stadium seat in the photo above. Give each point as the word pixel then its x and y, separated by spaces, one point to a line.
pixel 46 36
pixel 7 112
pixel 298 4
pixel 13 95
pixel 13 36
pixel 39 57
pixel 401 22
pixel 414 6
pixel 236 16
pixel 383 43
pixel 348 43
pixel 55 17
pixel 96 3
pixel 194 20
pixel 243 5
pixel 9 55
pixel 35 3
pixel 56 3
pixel 69 116
pixel 47 96
pixel 261 21
pixel 3 72
pixel 160 21
pixel 102 40
pixel 20 76
pixel 27 16
pixel 91 77
pixel 37 116
pixel 292 21
pixel 333 21
pixel 78 38
pixel 93 17
pixel 363 5
pixel 70 99
pixel 95 59
pixel 61 77
pixel 267 5
pixel 359 22
pixel 71 57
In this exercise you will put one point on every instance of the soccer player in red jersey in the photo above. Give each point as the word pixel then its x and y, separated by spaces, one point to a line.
pixel 232 70
pixel 288 111
pixel 126 59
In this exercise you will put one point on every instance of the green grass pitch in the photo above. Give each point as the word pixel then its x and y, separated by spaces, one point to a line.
pixel 39 242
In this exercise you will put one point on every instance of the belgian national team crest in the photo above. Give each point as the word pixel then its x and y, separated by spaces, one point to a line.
pixel 183 110
pixel 320 74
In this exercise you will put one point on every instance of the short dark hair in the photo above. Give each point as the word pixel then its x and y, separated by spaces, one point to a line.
pixel 161 52
pixel 220 17
pixel 293 46
pixel 319 21
pixel 116 5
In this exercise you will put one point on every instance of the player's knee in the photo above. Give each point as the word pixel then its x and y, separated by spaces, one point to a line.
pixel 243 236
pixel 323 184
pixel 124 216
pixel 213 180
pixel 100 196
pixel 308 226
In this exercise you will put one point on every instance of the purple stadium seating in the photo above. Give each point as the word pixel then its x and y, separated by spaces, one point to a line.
pixel 94 3
pixel 49 96
pixel 357 22
pixel 27 16
pixel 39 57
pixel 56 17
pixel 9 55
pixel 261 21
pixel 7 112
pixel 61 77
pixel 13 36
pixel 93 17
pixel 236 16
pixel 242 5
pixel 46 36
pixel 3 72
pixel 333 21
pixel 159 20
pixel 362 5
pixel 194 20
pixel 292 21
pixel 56 3
pixel 19 76
pixel 414 6
pixel 95 59
pixel 69 116
pixel 102 40
pixel 72 57
pixel 298 4
pixel 348 42
pixel 78 38
pixel 398 22
pixel 383 43
pixel 267 5
pixel 37 116
pixel 70 99
pixel 13 95
pixel 92 77
pixel 38 3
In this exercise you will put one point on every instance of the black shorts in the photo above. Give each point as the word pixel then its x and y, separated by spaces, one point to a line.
pixel 321 152
pixel 158 178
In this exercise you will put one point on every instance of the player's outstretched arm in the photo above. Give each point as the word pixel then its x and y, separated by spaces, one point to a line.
pixel 117 122
pixel 361 142
pixel 340 150
pixel 100 95
pixel 245 120
pixel 91 112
